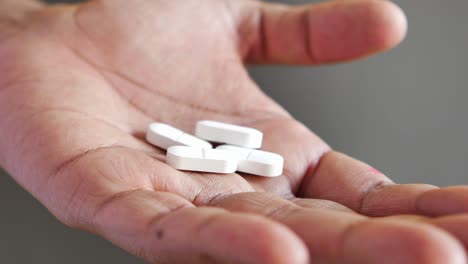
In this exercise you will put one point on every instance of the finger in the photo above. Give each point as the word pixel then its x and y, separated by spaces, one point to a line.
pixel 456 225
pixel 338 237
pixel 165 228
pixel 450 200
pixel 328 32
pixel 110 192
pixel 453 224
pixel 360 187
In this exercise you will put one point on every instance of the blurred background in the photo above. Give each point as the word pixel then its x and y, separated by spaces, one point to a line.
pixel 402 112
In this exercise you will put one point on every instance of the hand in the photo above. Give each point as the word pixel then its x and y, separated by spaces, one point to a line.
pixel 81 83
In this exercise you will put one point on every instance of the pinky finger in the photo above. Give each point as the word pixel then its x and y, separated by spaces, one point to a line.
pixel 165 228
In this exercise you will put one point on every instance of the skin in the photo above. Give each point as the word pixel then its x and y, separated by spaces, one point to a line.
pixel 80 84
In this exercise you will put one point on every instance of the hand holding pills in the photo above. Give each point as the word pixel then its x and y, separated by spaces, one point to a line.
pixel 79 85
pixel 197 154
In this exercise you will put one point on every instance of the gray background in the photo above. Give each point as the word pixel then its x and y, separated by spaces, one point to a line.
pixel 403 111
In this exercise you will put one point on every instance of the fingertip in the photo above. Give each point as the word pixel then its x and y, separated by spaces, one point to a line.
pixel 455 225
pixel 389 241
pixel 236 237
pixel 282 247
pixel 390 23
pixel 356 29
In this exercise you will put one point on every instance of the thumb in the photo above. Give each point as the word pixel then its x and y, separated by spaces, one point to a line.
pixel 323 33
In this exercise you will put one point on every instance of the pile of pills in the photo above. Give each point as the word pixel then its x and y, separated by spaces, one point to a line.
pixel 195 153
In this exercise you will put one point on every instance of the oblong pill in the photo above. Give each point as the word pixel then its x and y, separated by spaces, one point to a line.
pixel 165 136
pixel 230 134
pixel 257 162
pixel 200 159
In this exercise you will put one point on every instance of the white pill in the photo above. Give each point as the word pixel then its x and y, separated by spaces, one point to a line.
pixel 165 136
pixel 230 134
pixel 200 159
pixel 257 162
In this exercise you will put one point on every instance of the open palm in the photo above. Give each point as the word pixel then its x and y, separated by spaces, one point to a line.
pixel 83 82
